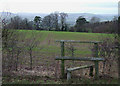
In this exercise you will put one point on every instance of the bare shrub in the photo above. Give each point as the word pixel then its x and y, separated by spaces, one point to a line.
pixel 108 50
pixel 30 44
pixel 9 46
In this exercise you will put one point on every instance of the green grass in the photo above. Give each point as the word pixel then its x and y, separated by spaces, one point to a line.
pixel 55 35
pixel 47 38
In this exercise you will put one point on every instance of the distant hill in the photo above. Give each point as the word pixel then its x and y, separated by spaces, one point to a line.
pixel 103 17
pixel 71 16
pixel 31 16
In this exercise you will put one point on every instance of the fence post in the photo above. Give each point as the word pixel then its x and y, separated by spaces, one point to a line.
pixel 91 71
pixel 96 62
pixel 68 75
pixel 62 61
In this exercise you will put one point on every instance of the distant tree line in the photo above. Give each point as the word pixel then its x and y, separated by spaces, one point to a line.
pixel 95 26
pixel 57 22
pixel 54 21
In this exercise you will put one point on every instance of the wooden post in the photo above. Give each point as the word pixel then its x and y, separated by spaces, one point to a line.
pixel 62 61
pixel 96 62
pixel 91 71
pixel 68 75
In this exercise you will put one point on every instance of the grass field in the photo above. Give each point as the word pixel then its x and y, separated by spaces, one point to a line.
pixel 44 64
pixel 47 39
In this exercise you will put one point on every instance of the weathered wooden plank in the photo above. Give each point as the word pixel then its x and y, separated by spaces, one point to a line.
pixel 77 68
pixel 80 58
pixel 77 41
pixel 68 76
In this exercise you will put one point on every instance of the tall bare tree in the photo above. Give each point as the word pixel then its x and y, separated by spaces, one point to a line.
pixel 63 20
pixel 50 21
pixel 25 24
pixel 47 22
pixel 15 22
pixel 56 15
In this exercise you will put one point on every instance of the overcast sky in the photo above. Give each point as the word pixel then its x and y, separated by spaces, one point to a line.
pixel 68 6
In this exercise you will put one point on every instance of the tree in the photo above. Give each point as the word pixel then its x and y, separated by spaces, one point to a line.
pixel 31 25
pixel 30 44
pixel 47 22
pixel 4 17
pixel 18 51
pixel 15 22
pixel 115 18
pixel 37 21
pixel 66 27
pixel 10 42
pixel 24 24
pixel 63 20
pixel 50 21
pixel 118 48
pixel 56 21
pixel 79 24
pixel 95 20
